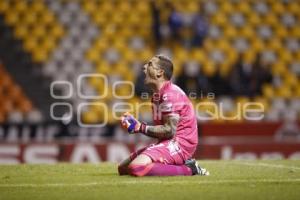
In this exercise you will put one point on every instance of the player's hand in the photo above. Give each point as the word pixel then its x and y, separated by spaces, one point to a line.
pixel 131 124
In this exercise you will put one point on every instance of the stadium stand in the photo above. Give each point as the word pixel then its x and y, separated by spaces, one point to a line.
pixel 69 38
pixel 15 107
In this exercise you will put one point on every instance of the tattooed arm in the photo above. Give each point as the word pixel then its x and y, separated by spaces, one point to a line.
pixel 165 131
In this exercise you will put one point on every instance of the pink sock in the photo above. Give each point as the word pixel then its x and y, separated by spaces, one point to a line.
pixel 158 169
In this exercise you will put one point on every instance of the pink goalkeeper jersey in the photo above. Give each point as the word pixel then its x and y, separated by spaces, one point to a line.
pixel 171 100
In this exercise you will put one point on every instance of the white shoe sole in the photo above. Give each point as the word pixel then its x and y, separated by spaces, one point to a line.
pixel 204 172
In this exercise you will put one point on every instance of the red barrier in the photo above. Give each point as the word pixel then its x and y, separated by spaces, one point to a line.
pixel 115 152
pixel 217 141
pixel 240 129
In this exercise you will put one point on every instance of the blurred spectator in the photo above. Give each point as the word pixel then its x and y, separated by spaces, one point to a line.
pixel 247 78
pixel 174 22
pixel 242 81
pixel 262 69
pixel 200 27
pixel 191 80
pixel 186 28
pixel 219 84
pixel 156 24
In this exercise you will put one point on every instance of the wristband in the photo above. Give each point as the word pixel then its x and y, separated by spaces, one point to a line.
pixel 143 128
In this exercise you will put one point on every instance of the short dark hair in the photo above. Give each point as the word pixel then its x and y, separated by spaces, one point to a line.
pixel 166 65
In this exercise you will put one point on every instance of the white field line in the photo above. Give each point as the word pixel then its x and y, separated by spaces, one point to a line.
pixel 141 182
pixel 267 165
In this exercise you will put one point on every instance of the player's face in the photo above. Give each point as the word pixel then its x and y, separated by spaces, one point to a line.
pixel 151 69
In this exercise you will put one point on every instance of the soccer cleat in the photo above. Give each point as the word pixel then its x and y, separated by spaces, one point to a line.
pixel 195 167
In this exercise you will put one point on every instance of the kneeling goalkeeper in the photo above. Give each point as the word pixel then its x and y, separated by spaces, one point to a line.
pixel 175 128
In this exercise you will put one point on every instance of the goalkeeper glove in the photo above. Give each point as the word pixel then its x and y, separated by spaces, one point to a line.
pixel 131 124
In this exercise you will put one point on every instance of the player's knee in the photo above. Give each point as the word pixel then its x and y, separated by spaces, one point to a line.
pixel 119 169
pixel 123 167
pixel 138 166
pixel 136 170
pixel 122 170
pixel 141 160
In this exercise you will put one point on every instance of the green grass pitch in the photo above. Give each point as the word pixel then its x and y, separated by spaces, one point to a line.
pixel 228 180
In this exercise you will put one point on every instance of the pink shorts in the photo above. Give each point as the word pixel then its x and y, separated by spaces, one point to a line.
pixel 167 152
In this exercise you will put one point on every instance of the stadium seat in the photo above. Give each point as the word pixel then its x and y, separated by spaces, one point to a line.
pixel 70 38
pixel 14 104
